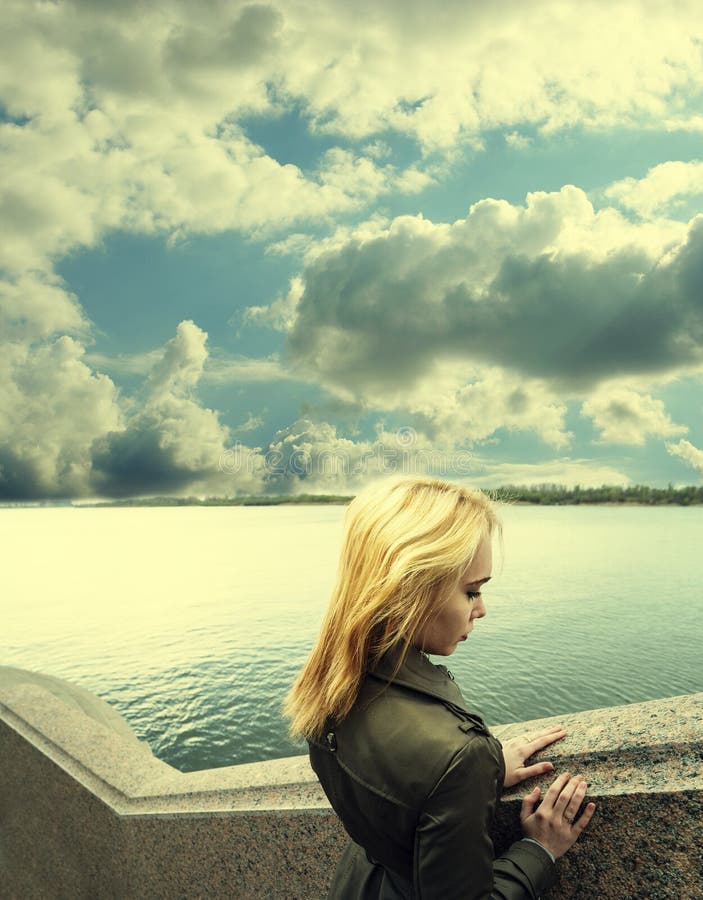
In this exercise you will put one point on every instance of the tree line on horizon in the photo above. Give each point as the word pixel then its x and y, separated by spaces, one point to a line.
pixel 558 494
pixel 547 494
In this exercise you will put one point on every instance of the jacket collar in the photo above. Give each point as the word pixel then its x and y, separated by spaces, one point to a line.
pixel 419 674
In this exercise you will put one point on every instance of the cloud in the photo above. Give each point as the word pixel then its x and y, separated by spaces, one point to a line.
pixel 66 431
pixel 501 65
pixel 217 369
pixel 517 140
pixel 124 363
pixel 52 407
pixel 135 116
pixel 462 405
pixel 688 453
pixel 181 363
pixel 662 184
pixel 35 307
pixel 247 40
pixel 60 191
pixel 359 177
pixel 377 149
pixel 69 182
pixel 496 320
pixel 552 291
pixel 311 457
pixel 170 443
pixel 489 323
pixel 245 370
pixel 508 63
pixel 171 447
pixel 625 416
pixel 252 422
pixel 684 123
pixel 564 471
pixel 279 315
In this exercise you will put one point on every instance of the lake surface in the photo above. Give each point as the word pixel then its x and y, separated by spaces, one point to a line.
pixel 193 622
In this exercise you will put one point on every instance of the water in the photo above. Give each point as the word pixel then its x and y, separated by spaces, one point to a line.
pixel 193 622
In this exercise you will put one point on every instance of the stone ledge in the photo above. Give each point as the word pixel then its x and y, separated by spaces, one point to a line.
pixel 65 771
pixel 652 746
pixel 125 773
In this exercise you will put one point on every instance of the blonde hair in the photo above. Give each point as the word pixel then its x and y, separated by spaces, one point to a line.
pixel 406 543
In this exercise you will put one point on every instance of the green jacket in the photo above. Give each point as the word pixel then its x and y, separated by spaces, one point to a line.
pixel 415 778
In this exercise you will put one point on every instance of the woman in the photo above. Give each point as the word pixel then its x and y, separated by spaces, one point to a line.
pixel 413 774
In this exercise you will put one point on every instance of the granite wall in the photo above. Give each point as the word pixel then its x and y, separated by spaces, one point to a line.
pixel 87 811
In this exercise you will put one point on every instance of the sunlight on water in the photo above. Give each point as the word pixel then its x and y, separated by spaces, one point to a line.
pixel 194 621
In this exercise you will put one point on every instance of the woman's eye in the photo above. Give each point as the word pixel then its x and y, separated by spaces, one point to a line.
pixel 473 594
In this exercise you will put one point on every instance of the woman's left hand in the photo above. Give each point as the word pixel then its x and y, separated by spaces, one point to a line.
pixel 517 750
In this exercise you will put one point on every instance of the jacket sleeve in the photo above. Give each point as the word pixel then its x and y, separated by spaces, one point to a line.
pixel 453 853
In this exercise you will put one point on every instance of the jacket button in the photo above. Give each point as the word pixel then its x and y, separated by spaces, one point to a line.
pixel 331 741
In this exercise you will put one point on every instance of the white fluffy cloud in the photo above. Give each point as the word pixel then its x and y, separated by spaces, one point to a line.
pixel 52 404
pixel 34 307
pixel 448 75
pixel 624 416
pixel 181 364
pixel 65 431
pixel 686 451
pixel 457 405
pixel 135 115
pixel 52 407
pixel 65 187
pixel 130 121
pixel 660 189
pixel 280 314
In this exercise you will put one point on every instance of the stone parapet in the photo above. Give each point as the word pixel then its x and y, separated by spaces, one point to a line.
pixel 87 811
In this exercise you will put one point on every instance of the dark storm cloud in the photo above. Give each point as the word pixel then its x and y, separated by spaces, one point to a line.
pixel 381 313
pixel 172 442
pixel 136 462
pixel 20 478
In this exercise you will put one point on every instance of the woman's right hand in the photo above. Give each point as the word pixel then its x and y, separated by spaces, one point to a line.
pixel 549 822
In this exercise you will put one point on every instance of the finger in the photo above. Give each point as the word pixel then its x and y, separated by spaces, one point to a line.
pixel 576 799
pixel 555 789
pixel 545 739
pixel 528 803
pixel 585 817
pixel 541 768
pixel 566 794
pixel 549 730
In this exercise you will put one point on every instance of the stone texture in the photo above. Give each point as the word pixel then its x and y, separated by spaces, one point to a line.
pixel 87 811
pixel 72 694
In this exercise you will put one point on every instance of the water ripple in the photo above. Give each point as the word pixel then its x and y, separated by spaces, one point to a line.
pixel 593 607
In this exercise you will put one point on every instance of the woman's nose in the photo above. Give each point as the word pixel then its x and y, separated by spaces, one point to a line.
pixel 479 609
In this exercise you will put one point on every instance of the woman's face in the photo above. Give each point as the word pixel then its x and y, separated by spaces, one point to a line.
pixel 455 620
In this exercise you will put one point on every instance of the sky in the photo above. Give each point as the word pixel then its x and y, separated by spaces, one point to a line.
pixel 255 248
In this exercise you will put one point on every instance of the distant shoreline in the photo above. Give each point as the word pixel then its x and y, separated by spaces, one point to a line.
pixel 539 495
